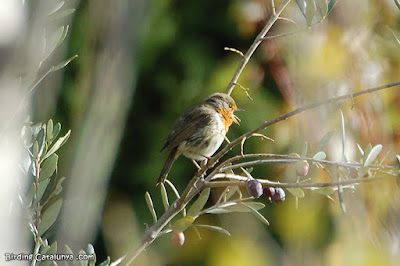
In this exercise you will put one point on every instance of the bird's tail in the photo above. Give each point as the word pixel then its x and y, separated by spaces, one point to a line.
pixel 167 166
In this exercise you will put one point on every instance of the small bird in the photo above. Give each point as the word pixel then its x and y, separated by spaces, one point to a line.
pixel 200 131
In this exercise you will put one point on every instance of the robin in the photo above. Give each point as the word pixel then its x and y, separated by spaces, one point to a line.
pixel 200 131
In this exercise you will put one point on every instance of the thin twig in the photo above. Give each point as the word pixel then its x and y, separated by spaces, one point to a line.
pixel 256 43
pixel 236 51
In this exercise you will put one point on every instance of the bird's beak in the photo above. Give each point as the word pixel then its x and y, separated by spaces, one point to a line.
pixel 236 119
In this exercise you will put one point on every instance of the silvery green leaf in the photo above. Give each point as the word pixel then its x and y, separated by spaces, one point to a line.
pixel 375 151
pixel 62 13
pixel 49 216
pixel 49 166
pixel 53 42
pixel 320 156
pixel 219 211
pixel 56 130
pixel 325 140
pixel 331 5
pixel 310 12
pixel 150 205
pixel 323 5
pixel 59 187
pixel 49 130
pixel 302 4
pixel 341 197
pixel 90 251
pixel 51 250
pixel 360 149
pixel 257 214
pixel 164 197
pixel 367 150
pixel 237 207
pixel 214 228
pixel 198 205
pixel 35 149
pixel 58 144
pixel 173 188
pixel 41 189
pixel 57 7
pixel 63 63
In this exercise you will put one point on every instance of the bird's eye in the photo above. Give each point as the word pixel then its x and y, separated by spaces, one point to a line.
pixel 230 105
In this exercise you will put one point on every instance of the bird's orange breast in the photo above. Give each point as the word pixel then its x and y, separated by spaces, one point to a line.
pixel 227 118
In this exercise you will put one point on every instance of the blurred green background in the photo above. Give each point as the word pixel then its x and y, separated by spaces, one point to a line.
pixel 142 64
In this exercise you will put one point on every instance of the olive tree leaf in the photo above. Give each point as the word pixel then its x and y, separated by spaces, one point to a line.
pixel 57 7
pixel 49 216
pixel 323 5
pixel 331 5
pixel 49 166
pixel 325 140
pixel 51 250
pixel 320 156
pixel 257 214
pixel 375 151
pixel 56 131
pixel 198 205
pixel 214 228
pixel 42 188
pixel 58 144
pixel 90 251
pixel 53 42
pixel 236 207
pixel 178 196
pixel 49 132
pixel 302 4
pixel 63 64
pixel 150 205
pixel 164 196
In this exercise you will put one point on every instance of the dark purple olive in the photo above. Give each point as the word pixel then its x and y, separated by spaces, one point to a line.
pixel 269 192
pixel 254 188
pixel 279 195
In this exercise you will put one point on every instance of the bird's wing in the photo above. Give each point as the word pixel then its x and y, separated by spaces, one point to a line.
pixel 186 126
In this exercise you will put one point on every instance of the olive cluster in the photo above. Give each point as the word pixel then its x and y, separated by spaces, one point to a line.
pixel 274 194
